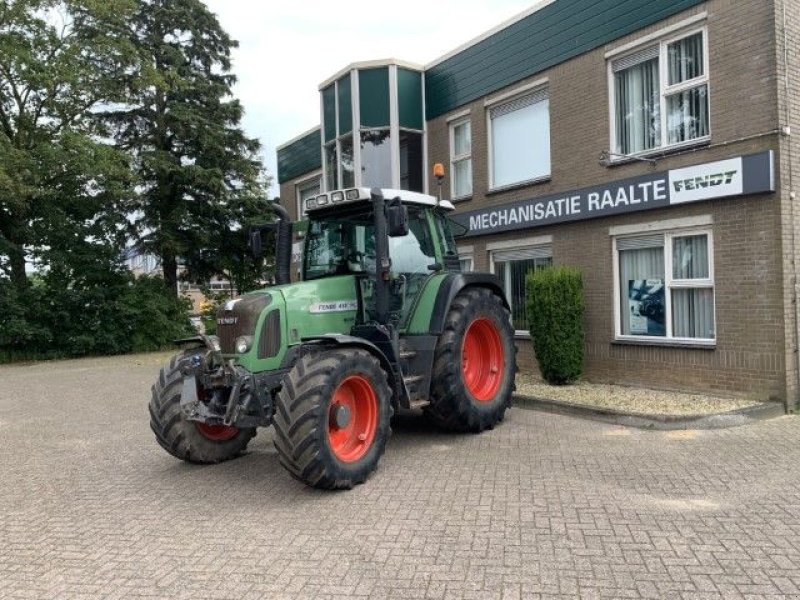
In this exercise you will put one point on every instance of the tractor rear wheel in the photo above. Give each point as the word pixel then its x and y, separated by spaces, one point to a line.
pixel 474 364
pixel 191 441
pixel 332 418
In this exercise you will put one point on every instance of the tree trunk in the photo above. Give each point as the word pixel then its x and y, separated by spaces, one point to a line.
pixel 16 259
pixel 169 264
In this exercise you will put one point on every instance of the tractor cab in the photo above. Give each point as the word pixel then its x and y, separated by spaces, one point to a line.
pixel 341 239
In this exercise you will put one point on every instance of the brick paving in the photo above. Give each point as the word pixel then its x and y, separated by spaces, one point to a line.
pixel 545 506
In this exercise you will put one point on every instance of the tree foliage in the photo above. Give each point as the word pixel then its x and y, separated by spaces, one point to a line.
pixel 202 183
pixel 60 61
pixel 117 127
pixel 555 305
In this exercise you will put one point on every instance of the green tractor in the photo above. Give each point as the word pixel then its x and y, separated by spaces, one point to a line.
pixel 382 321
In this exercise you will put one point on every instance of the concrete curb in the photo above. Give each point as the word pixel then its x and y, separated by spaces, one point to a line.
pixel 734 418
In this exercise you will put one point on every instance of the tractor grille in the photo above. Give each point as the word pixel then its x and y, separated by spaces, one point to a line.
pixel 239 317
pixel 269 343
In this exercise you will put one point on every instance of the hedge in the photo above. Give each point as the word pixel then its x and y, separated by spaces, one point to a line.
pixel 555 306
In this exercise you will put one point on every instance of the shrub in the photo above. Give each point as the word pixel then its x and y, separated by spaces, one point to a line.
pixel 122 315
pixel 555 305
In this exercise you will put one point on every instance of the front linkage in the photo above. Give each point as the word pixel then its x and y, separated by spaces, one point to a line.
pixel 217 392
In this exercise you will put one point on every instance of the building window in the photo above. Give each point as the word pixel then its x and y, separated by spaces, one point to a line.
pixel 466 260
pixel 519 140
pixel 666 286
pixel 461 158
pixel 376 158
pixel 511 266
pixel 305 190
pixel 661 95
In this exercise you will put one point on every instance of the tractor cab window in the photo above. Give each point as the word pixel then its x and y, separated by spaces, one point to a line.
pixel 339 246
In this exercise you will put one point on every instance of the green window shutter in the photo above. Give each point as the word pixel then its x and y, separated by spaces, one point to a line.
pixel 329 112
pixel 345 106
pixel 373 97
pixel 409 95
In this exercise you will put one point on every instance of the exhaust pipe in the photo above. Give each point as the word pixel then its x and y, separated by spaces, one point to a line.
pixel 283 245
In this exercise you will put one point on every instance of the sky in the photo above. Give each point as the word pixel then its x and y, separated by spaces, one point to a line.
pixel 287 48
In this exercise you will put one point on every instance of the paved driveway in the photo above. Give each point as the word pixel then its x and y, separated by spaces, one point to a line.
pixel 544 506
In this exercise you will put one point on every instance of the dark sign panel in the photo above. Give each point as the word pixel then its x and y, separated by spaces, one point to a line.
pixel 752 174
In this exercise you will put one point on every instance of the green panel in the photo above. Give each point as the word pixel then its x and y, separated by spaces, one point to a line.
pixel 373 97
pixel 300 297
pixel 421 319
pixel 409 96
pixel 547 37
pixel 329 112
pixel 300 157
pixel 345 106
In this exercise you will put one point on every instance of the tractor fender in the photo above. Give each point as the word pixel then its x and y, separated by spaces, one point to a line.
pixel 336 339
pixel 451 287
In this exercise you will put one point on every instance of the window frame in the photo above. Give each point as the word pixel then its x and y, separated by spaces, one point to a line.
pixel 665 91
pixel 305 184
pixel 458 158
pixel 539 88
pixel 521 246
pixel 670 284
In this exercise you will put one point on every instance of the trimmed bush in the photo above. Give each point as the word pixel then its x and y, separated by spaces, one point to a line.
pixel 555 305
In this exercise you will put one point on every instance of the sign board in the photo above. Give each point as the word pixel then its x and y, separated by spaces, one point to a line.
pixel 744 175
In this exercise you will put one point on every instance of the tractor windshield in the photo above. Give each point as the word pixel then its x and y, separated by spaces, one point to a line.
pixel 345 244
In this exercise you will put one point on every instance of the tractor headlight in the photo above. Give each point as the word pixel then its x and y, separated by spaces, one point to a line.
pixel 243 343
pixel 215 346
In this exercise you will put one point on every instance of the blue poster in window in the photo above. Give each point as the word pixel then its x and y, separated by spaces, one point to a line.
pixel 647 307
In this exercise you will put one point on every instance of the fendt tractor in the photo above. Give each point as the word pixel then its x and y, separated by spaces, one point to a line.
pixel 381 321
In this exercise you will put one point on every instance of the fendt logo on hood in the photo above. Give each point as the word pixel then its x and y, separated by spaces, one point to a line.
pixel 231 320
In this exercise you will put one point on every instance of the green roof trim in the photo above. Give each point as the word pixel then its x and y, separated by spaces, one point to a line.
pixel 554 34
pixel 300 157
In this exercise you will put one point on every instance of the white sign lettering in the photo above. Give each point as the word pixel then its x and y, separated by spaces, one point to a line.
pixel 333 306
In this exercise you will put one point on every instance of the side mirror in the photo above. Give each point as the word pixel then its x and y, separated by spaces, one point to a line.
pixel 255 244
pixel 396 219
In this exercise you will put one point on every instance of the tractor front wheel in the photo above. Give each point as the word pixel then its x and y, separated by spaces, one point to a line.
pixel 332 418
pixel 187 440
pixel 474 363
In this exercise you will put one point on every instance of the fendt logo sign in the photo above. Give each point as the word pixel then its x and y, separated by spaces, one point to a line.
pixel 703 182
pixel 744 175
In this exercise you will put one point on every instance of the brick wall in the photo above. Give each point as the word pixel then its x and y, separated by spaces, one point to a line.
pixel 751 300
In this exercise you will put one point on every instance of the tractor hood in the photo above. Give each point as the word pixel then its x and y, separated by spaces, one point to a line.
pixel 282 316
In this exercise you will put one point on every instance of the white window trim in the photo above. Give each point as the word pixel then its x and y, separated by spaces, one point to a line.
pixel 520 245
pixel 663 40
pixel 461 157
pixel 467 253
pixel 306 182
pixel 669 285
pixel 525 90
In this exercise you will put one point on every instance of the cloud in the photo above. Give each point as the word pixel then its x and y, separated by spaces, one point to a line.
pixel 286 49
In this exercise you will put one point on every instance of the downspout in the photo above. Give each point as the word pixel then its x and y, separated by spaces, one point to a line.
pixel 792 216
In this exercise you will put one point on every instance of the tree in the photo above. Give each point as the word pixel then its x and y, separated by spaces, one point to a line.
pixel 61 186
pixel 200 175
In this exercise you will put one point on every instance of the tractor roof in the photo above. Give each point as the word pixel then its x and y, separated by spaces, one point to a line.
pixel 354 195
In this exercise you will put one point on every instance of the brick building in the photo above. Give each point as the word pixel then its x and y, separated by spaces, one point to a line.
pixel 648 142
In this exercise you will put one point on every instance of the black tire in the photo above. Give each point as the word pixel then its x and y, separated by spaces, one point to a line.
pixel 453 406
pixel 180 437
pixel 303 417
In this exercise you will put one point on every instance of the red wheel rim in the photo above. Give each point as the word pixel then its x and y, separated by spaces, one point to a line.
pixel 352 418
pixel 217 433
pixel 482 359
